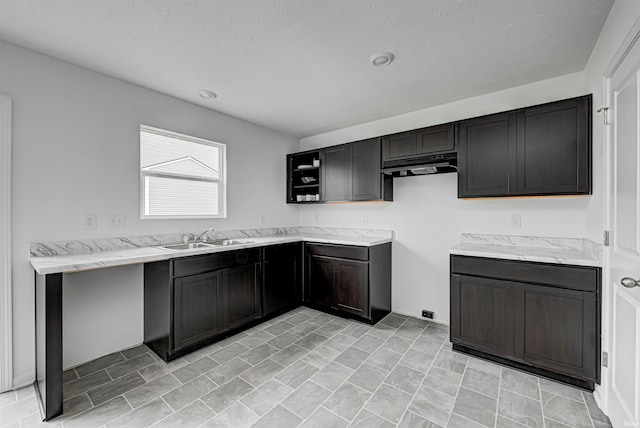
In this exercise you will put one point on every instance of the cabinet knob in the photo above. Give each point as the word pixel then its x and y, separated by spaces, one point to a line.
pixel 629 282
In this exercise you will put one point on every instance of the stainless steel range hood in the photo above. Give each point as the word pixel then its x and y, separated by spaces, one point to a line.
pixel 433 164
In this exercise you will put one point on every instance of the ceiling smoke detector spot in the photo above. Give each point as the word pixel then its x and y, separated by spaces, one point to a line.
pixel 380 59
pixel 207 95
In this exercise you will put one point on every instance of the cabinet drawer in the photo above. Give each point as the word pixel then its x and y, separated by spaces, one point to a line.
pixel 581 278
pixel 339 251
pixel 209 262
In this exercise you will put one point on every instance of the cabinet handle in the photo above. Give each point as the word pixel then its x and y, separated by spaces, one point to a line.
pixel 629 282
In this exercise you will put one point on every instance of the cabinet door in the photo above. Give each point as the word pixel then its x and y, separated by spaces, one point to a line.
pixel 197 308
pixel 335 173
pixel 554 148
pixel 482 314
pixel 352 287
pixel 436 139
pixel 365 170
pixel 321 276
pixel 486 156
pixel 240 294
pixel 281 277
pixel 556 329
pixel 399 146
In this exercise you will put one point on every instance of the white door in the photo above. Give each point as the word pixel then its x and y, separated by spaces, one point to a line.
pixel 623 268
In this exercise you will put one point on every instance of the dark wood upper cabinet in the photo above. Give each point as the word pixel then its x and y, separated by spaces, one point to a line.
pixel 485 153
pixel 366 177
pixel 335 169
pixel 352 172
pixel 540 150
pixel 553 148
pixel 418 142
pixel 399 146
pixel 436 139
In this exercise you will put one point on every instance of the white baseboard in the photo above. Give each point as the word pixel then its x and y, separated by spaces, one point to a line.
pixel 24 380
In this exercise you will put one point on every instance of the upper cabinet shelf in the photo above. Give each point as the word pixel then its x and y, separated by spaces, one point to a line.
pixel 540 150
pixel 347 172
pixel 303 177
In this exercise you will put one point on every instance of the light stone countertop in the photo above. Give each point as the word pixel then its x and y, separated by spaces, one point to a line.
pixel 96 259
pixel 566 251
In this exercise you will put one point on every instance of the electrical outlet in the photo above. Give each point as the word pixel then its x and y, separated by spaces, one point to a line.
pixel 365 218
pixel 605 359
pixel 516 221
pixel 90 222
pixel 117 221
pixel 261 218
pixel 428 314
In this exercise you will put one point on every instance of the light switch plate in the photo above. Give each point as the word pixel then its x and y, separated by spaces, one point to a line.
pixel 117 221
pixel 516 221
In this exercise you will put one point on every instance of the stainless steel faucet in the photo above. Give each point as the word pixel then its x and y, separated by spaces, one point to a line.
pixel 211 229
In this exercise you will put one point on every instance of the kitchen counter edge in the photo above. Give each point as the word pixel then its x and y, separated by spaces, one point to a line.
pixel 114 258
pixel 575 257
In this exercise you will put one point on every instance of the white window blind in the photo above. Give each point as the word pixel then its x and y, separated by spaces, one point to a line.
pixel 181 176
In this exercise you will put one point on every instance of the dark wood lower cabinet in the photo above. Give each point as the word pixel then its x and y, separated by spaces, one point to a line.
pixel 190 302
pixel 282 277
pixel 352 281
pixel 539 317
pixel 240 295
pixel 478 297
pixel 321 275
pixel 559 329
pixel 197 313
pixel 352 287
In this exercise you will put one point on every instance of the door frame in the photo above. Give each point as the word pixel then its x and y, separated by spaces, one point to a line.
pixel 601 393
pixel 6 317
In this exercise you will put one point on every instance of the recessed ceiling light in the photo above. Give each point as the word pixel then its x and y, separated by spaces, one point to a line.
pixel 380 59
pixel 207 95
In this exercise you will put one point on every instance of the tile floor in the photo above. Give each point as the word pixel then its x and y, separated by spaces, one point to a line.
pixel 309 369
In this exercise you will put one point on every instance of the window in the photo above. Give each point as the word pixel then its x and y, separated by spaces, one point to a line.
pixel 181 176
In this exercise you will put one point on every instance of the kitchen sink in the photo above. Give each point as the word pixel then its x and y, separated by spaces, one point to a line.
pixel 208 244
pixel 229 242
pixel 188 246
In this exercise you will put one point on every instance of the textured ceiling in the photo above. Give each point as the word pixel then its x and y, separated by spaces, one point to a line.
pixel 302 66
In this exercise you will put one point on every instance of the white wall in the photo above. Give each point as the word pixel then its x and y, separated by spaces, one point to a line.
pixel 426 215
pixel 75 151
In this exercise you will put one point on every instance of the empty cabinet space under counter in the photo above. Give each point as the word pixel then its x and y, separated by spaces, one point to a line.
pixel 539 317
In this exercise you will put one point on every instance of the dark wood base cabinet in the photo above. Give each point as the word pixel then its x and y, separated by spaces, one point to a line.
pixel 349 280
pixel 282 278
pixel 544 318
pixel 191 301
